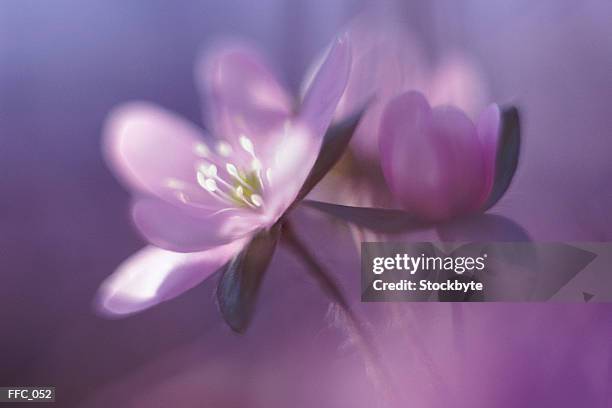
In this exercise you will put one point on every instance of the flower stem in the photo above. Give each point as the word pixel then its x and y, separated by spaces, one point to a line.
pixel 354 329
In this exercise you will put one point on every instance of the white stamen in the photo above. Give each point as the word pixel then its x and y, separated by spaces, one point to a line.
pixel 226 197
pixel 201 150
pixel 239 191
pixel 231 169
pixel 229 192
pixel 210 185
pixel 269 175
pixel 257 200
pixel 256 164
pixel 209 170
pixel 247 144
pixel 225 183
pixel 224 149
pixel 209 182
pixel 201 179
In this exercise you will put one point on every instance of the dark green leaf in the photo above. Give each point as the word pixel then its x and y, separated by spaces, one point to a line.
pixel 375 219
pixel 239 285
pixel 507 157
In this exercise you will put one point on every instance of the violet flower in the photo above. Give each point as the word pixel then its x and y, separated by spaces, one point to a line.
pixel 439 165
pixel 207 203
pixel 388 60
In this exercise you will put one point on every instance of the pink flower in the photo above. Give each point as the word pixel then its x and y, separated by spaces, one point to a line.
pixel 388 61
pixel 439 164
pixel 204 200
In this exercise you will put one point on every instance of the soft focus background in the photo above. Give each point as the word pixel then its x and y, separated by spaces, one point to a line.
pixel 64 223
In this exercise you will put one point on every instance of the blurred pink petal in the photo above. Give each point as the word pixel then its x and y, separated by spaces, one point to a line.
pixel 295 155
pixel 297 151
pixel 432 158
pixel 457 81
pixel 464 156
pixel 242 95
pixel 407 115
pixel 154 151
pixel 168 227
pixel 386 61
pixel 154 275
pixel 326 88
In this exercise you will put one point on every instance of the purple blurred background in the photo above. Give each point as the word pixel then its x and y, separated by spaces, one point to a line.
pixel 64 224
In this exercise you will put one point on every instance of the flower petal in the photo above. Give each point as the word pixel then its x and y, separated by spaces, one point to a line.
pixel 174 229
pixel 405 117
pixel 242 95
pixel 458 82
pixel 386 61
pixel 153 151
pixel 287 170
pixel 432 159
pixel 154 275
pixel 297 149
pixel 326 88
pixel 463 153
